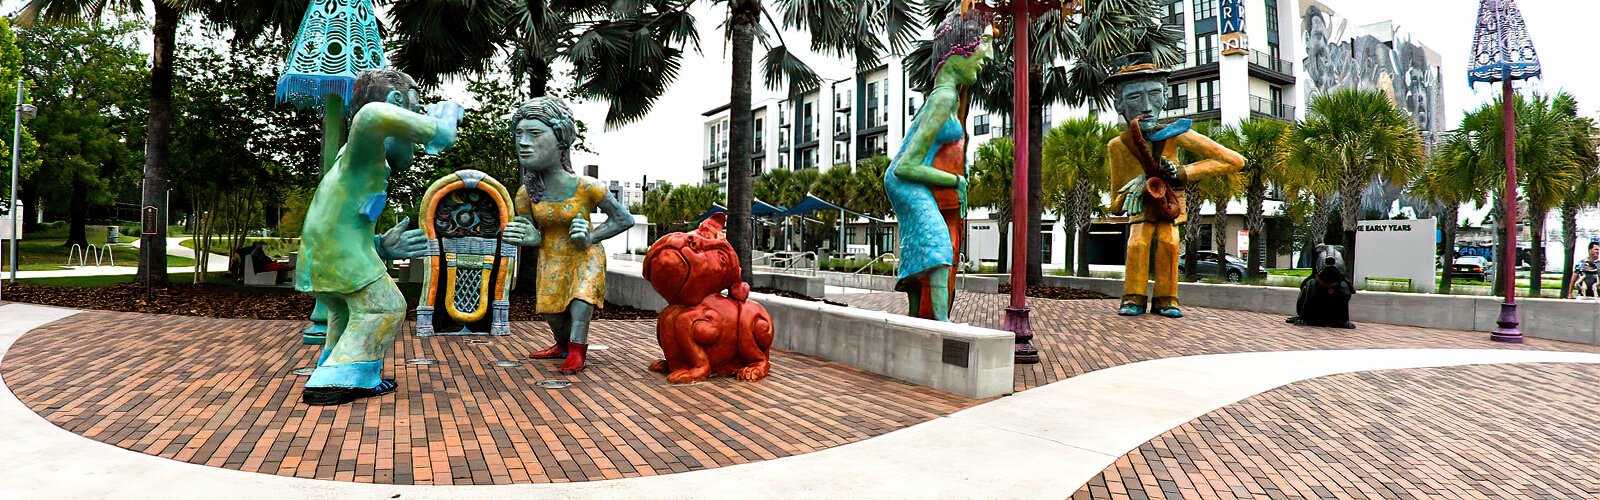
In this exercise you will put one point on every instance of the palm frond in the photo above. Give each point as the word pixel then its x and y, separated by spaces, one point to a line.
pixel 780 67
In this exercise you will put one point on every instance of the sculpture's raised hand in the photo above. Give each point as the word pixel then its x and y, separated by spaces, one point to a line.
pixel 401 243
pixel 580 232
pixel 521 232
pixel 445 115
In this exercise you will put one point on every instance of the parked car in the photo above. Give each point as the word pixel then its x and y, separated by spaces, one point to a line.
pixel 1473 267
pixel 1207 265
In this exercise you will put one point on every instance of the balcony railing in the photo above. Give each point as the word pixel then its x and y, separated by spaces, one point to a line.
pixel 1266 60
pixel 1196 58
pixel 1271 108
pixel 1188 105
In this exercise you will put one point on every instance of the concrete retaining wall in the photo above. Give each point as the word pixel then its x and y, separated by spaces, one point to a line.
pixel 810 286
pixel 1555 319
pixel 962 359
pixel 975 284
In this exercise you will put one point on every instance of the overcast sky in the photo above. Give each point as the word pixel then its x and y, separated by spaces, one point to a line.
pixel 666 144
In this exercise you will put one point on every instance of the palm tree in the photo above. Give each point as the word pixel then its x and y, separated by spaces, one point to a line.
pixel 247 20
pixel 1075 176
pixel 1366 137
pixel 989 186
pixel 1547 164
pixel 1193 198
pixel 1220 191
pixel 833 185
pixel 626 53
pixel 1105 30
pixel 1258 140
pixel 1585 193
pixel 867 195
pixel 1450 181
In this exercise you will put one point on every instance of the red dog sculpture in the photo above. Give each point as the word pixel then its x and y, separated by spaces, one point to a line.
pixel 703 333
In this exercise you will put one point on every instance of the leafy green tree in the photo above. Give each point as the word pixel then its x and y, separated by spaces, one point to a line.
pixel 483 143
pixel 11 70
pixel 867 195
pixel 86 82
pixel 1258 140
pixel 247 20
pixel 989 186
pixel 1366 137
pixel 832 185
pixel 1556 136
pixel 1075 177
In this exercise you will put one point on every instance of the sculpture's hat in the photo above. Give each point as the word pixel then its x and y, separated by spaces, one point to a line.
pixel 1135 66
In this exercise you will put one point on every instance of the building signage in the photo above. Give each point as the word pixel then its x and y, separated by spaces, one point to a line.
pixel 1233 38
pixel 1396 249
pixel 148 222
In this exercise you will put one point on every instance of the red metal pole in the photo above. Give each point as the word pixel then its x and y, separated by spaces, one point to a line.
pixel 1017 314
pixel 1508 322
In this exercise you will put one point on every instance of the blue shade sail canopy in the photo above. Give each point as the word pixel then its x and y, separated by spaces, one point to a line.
pixel 758 208
pixel 1501 48
pixel 338 40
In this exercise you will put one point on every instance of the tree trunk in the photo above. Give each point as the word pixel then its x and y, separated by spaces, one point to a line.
pixel 1569 243
pixel 29 195
pixel 1219 237
pixel 1349 213
pixel 1002 262
pixel 158 138
pixel 1318 232
pixel 78 215
pixel 1536 260
pixel 1448 226
pixel 1070 253
pixel 1255 223
pixel 745 15
pixel 1191 234
pixel 1036 257
pixel 1083 251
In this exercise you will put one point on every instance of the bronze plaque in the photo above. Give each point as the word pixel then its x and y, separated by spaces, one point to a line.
pixel 148 223
pixel 955 352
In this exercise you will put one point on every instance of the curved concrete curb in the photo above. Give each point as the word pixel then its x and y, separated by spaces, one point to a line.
pixel 1042 443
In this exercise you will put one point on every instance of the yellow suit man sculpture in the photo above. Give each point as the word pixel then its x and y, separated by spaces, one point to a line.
pixel 1149 185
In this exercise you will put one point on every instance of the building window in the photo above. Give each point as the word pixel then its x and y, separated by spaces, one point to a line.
pixel 808 127
pixel 980 124
pixel 760 133
pixel 841 153
pixel 1172 14
pixel 872 105
pixel 911 106
pixel 1048 123
pixel 1206 94
pixel 1275 52
pixel 1205 49
pixel 1205 237
pixel 1272 17
pixel 1047 239
pixel 1205 9
pixel 1178 96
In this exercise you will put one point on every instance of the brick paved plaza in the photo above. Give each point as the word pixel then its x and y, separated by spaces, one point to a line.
pixel 223 393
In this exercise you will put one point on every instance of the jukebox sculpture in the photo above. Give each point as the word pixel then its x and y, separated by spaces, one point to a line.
pixel 467 286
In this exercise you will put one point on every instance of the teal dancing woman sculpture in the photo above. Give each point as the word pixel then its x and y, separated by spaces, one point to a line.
pixel 927 181
pixel 341 260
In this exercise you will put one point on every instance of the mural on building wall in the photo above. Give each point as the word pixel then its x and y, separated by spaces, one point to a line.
pixel 1339 55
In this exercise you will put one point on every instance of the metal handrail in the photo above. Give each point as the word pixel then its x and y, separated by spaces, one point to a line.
pixel 878 259
pixel 788 262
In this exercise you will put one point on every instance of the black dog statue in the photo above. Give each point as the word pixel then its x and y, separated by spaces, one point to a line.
pixel 1325 296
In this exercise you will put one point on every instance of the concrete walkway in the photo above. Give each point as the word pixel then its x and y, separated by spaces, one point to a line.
pixel 1041 443
pixel 174 247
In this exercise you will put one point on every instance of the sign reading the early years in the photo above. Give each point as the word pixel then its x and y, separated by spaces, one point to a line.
pixel 1231 19
pixel 148 221
pixel 1401 249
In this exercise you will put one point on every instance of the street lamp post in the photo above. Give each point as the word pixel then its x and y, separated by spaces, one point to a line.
pixel 1502 52
pixel 1021 11
pixel 22 111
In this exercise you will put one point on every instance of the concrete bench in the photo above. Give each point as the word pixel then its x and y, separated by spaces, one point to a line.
pixel 962 359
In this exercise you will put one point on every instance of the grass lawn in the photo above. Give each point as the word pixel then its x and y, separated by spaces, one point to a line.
pixel 45 253
pixel 275 247
pixel 105 281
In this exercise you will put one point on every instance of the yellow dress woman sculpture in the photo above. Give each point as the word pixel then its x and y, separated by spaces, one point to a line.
pixel 553 208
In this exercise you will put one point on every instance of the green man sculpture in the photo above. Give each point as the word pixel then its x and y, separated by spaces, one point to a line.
pixel 341 260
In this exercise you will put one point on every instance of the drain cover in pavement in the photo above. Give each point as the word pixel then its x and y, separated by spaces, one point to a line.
pixel 507 364
pixel 421 361
pixel 477 342
pixel 553 384
pixel 304 371
pixel 598 347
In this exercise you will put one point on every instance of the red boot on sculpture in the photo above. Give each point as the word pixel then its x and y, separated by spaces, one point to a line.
pixel 574 362
pixel 702 332
pixel 557 351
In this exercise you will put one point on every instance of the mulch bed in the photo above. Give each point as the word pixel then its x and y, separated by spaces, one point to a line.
pixel 217 301
pixel 793 295
pixel 1058 293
